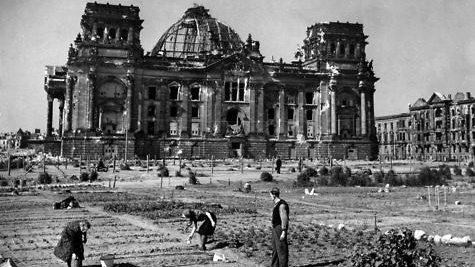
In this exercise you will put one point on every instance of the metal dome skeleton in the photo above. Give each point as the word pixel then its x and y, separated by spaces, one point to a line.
pixel 197 34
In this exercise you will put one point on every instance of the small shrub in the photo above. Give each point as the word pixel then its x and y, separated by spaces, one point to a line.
pixel 93 177
pixel 379 176
pixel 445 173
pixel 84 177
pixel 457 170
pixel 266 177
pixel 3 183
pixel 304 178
pixel 292 169
pixel 323 171
pixel 23 182
pixel 338 177
pixel 392 179
pixel 163 172
pixel 192 177
pixel 322 181
pixel 394 248
pixel 469 172
pixel 44 178
pixel 125 167
pixel 347 171
pixel 470 164
pixel 16 183
pixel 177 173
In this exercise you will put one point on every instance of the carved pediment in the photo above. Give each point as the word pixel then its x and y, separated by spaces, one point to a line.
pixel 420 103
pixel 437 98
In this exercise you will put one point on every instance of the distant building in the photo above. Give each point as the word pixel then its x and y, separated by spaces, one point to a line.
pixel 203 91
pixel 442 128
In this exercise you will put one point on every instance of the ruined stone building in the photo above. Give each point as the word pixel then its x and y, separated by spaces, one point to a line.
pixel 442 129
pixel 202 91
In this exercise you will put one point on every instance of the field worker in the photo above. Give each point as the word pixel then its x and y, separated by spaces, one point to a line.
pixel 70 246
pixel 206 228
pixel 280 224
pixel 278 164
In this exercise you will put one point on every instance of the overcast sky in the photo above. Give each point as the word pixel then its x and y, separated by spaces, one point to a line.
pixel 418 47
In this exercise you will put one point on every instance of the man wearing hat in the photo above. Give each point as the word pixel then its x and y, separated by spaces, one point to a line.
pixel 280 224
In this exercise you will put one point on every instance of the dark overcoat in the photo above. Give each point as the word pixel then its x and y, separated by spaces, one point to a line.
pixel 70 242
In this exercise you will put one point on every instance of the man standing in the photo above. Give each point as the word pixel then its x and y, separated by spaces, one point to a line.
pixel 280 224
pixel 278 164
pixel 70 246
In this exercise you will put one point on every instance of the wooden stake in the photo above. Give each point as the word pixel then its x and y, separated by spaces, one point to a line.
pixel 147 162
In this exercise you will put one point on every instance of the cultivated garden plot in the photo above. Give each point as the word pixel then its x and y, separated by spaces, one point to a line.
pixel 139 220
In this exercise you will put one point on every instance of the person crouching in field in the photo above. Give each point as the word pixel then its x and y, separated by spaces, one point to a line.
pixel 70 246
pixel 206 228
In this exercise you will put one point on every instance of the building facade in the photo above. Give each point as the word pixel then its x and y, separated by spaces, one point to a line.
pixel 202 91
pixel 440 129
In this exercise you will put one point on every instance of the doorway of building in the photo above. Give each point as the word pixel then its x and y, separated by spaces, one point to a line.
pixel 352 154
pixel 236 150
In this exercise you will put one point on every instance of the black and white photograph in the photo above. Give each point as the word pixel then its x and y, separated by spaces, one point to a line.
pixel 247 133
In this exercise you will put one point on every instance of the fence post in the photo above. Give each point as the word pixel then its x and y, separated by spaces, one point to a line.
pixel 147 161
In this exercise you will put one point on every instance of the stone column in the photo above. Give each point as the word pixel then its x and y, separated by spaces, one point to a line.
pixel 94 30
pixel 101 112
pixel 301 114
pixel 61 115
pixel 253 108
pixel 218 105
pixel 128 101
pixel 363 112
pixel 130 36
pixel 337 51
pixel 260 109
pixel 282 117
pixel 117 35
pixel 91 79
pixel 49 122
pixel 70 82
pixel 318 119
pixel 185 115
pixel 332 86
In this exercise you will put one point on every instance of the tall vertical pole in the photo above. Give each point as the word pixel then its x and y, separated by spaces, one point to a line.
pixel 147 161
pixel 9 164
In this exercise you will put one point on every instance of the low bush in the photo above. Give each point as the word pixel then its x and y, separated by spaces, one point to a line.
pixel 192 177
pixel 396 247
pixel 457 170
pixel 392 178
pixel 469 172
pixel 177 173
pixel 338 176
pixel 359 179
pixel 84 177
pixel 3 183
pixel 93 176
pixel 379 176
pixel 428 176
pixel 16 183
pixel 323 171
pixel 291 169
pixel 470 164
pixel 163 172
pixel 322 181
pixel 266 177
pixel 44 178
pixel 125 167
pixel 444 171
pixel 304 178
